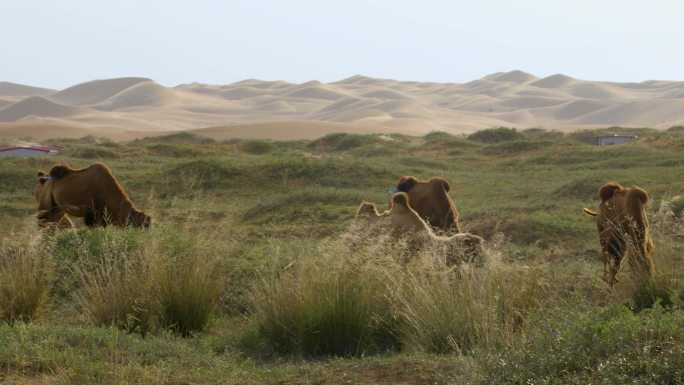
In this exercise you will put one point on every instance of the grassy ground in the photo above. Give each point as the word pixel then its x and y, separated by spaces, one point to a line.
pixel 260 223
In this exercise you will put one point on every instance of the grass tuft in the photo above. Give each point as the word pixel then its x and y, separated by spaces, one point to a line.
pixel 25 279
pixel 324 304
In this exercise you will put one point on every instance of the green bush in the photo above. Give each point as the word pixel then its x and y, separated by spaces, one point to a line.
pixel 94 152
pixel 514 147
pixel 496 135
pixel 540 134
pixel 184 137
pixel 343 141
pixel 608 345
pixel 257 147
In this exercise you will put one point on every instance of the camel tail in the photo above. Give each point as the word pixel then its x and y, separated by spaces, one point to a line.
pixel 589 212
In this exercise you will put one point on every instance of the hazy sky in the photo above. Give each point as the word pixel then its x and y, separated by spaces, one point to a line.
pixel 57 43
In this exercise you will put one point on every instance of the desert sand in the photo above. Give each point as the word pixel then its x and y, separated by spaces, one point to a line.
pixel 126 108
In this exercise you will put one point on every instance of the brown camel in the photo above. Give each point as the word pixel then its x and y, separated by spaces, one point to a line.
pixel 92 193
pixel 622 226
pixel 402 221
pixel 431 200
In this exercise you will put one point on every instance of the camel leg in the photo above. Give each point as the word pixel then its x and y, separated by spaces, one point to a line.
pixel 613 252
pixel 51 215
pixel 640 260
pixel 65 222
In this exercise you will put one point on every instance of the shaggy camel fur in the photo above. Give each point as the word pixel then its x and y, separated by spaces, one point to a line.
pixel 622 226
pixel 431 200
pixel 402 221
pixel 92 193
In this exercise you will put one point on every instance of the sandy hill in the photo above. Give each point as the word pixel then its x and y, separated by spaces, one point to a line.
pixel 141 94
pixel 95 91
pixel 13 89
pixel 518 77
pixel 279 109
pixel 37 106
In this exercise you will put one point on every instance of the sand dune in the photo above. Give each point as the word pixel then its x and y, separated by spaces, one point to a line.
pixel 95 91
pixel 241 93
pixel 38 106
pixel 638 113
pixel 527 102
pixel 291 130
pixel 276 106
pixel 4 102
pixel 144 94
pixel 518 77
pixel 13 89
pixel 385 94
pixel 554 81
pixel 255 108
pixel 316 92
pixel 593 91
pixel 343 104
pixel 579 108
pixel 42 131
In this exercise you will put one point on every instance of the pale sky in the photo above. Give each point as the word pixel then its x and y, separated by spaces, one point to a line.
pixel 58 43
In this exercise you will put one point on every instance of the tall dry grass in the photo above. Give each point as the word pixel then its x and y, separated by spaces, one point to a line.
pixel 158 279
pixel 186 289
pixel 324 302
pixel 26 275
pixel 337 300
pixel 667 284
pixel 113 285
pixel 442 310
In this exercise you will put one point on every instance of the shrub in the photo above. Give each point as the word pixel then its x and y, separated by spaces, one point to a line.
pixel 257 147
pixel 585 188
pixel 175 150
pixel 496 135
pixel 25 279
pixel 442 311
pixel 541 134
pixel 93 152
pixel 323 305
pixel 179 137
pixel 384 296
pixel 166 281
pixel 343 141
pixel 186 290
pixel 514 147
pixel 113 284
pixel 603 345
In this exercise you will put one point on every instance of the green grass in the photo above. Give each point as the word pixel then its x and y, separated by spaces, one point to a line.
pixel 248 278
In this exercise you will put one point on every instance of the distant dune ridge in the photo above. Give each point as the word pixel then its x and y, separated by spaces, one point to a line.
pixel 131 107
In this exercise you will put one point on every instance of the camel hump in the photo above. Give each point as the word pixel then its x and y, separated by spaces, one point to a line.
pixel 41 173
pixel 366 208
pixel 406 183
pixel 608 190
pixel 442 182
pixel 100 166
pixel 637 193
pixel 59 170
pixel 400 198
